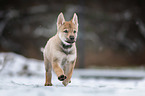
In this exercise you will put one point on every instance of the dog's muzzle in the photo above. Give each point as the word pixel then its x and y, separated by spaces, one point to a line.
pixel 71 39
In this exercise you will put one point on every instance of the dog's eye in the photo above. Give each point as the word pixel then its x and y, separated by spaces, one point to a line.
pixel 74 31
pixel 65 31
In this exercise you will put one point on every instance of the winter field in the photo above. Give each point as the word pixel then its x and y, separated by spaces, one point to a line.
pixel 20 76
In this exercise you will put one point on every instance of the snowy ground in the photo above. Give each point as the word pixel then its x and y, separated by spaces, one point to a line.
pixel 20 76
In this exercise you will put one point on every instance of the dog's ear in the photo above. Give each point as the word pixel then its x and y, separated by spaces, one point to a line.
pixel 75 19
pixel 60 20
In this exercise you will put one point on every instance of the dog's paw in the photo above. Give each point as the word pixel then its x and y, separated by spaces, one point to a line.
pixel 65 83
pixel 62 77
pixel 48 84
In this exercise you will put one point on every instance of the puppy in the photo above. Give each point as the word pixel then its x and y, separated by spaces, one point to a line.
pixel 60 52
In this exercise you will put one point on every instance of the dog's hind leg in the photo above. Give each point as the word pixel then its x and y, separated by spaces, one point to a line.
pixel 48 73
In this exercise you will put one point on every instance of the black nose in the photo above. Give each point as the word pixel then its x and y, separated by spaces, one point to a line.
pixel 71 37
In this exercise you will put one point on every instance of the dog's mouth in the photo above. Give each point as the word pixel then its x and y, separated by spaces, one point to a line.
pixel 70 41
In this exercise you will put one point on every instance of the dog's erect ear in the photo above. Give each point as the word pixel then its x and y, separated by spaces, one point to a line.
pixel 60 20
pixel 75 19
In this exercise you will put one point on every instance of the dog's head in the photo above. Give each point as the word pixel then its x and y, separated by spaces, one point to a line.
pixel 67 30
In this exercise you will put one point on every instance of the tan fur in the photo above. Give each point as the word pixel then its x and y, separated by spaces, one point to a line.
pixel 60 59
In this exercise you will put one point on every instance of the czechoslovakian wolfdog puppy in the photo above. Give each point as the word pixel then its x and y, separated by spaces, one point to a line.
pixel 60 51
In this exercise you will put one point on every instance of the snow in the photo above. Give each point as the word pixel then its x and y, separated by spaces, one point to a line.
pixel 18 80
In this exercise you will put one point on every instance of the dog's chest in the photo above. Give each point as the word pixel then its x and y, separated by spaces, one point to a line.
pixel 68 59
pixel 68 54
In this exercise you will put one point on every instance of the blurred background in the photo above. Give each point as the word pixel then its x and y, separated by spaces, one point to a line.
pixel 111 32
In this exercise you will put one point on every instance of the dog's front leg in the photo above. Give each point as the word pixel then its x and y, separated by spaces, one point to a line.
pixel 69 70
pixel 58 70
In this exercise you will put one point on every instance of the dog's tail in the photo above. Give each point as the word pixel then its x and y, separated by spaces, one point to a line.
pixel 42 49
